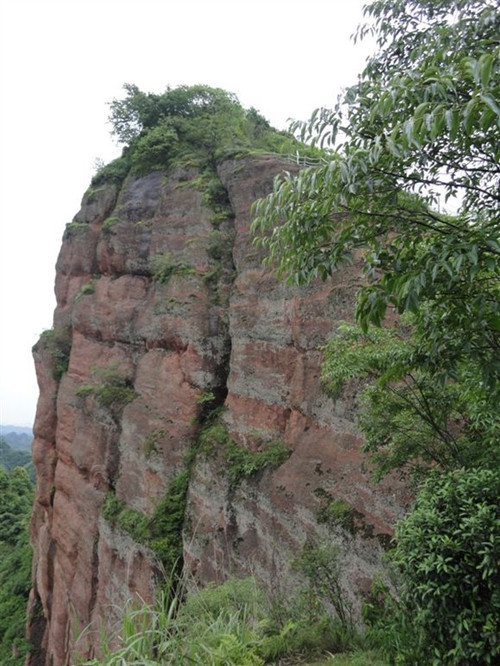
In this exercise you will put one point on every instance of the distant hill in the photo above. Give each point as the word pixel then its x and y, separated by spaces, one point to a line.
pixel 10 458
pixel 17 437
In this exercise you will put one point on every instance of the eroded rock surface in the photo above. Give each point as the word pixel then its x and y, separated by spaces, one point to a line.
pixel 171 316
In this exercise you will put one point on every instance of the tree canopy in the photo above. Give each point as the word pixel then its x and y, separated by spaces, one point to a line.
pixel 418 133
pixel 10 457
pixel 410 183
pixel 196 124
pixel 16 491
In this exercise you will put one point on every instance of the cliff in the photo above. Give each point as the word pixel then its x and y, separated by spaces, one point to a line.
pixel 181 415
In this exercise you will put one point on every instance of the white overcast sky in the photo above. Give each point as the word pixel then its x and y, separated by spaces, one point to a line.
pixel 63 61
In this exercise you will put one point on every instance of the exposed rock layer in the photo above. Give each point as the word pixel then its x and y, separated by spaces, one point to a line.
pixel 213 328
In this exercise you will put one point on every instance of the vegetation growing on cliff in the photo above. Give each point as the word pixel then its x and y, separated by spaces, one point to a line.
pixel 240 463
pixel 188 124
pixel 16 492
pixel 161 532
pixel 57 343
pixel 112 389
pixel 420 128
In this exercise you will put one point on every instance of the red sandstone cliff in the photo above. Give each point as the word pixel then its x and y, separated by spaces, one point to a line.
pixel 214 328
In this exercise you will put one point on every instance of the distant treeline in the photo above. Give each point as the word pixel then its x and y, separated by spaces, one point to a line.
pixel 16 493
pixel 11 458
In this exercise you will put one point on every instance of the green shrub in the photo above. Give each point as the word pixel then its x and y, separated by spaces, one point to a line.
pixel 156 149
pixel 213 436
pixel 115 396
pixel 237 594
pixel 112 508
pixel 108 224
pixel 337 512
pixel 206 396
pixel 322 567
pixel 112 389
pixel 114 172
pixel 87 289
pixel 165 266
pixel 134 523
pixel 161 532
pixel 165 527
pixel 243 463
pixel 58 343
pixel 448 553
pixel 240 462
pixel 85 390
pixel 74 229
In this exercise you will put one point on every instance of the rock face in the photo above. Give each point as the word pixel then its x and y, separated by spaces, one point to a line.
pixel 175 329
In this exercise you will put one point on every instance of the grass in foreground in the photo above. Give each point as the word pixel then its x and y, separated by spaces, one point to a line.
pixel 230 625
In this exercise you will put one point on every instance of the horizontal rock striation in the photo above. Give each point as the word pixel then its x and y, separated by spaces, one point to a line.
pixel 176 356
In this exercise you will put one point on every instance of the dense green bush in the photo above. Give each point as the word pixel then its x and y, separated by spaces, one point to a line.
pixel 114 172
pixel 165 526
pixel 156 149
pixel 448 551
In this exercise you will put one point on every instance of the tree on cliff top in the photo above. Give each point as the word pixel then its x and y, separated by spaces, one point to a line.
pixel 188 123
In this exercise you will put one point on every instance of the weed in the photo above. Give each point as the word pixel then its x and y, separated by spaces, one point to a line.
pixel 225 625
pixel 112 508
pixel 108 224
pixel 340 513
pixel 165 266
pixel 74 229
pixel 58 343
pixel 87 289
pixel 207 396
pixel 112 389
pixel 151 442
pixel 322 567
pixel 161 532
pixel 243 463
pixel 240 462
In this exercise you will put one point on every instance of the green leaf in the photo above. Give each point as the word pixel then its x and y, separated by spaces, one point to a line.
pixel 488 99
pixel 486 62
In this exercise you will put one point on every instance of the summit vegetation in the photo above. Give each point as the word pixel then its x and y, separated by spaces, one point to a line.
pixel 187 125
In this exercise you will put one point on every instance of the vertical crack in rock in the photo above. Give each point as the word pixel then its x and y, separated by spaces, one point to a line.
pixel 36 631
pixel 220 279
pixel 94 585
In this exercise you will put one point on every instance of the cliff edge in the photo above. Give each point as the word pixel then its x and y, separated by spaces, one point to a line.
pixel 182 420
